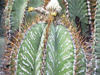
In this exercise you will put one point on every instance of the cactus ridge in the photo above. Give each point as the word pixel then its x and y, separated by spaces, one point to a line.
pixel 96 38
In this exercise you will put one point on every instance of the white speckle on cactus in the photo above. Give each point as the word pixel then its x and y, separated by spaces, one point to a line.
pixel 54 6
pixel 25 63
pixel 25 70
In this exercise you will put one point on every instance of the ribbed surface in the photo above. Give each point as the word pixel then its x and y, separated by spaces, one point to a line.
pixel 28 50
pixel 97 39
pixel 78 8
pixel 17 13
pixel 64 52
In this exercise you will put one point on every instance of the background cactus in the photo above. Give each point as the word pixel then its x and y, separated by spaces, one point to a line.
pixel 96 39
pixel 38 44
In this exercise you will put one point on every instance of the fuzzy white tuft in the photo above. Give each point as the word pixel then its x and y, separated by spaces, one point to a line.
pixel 54 6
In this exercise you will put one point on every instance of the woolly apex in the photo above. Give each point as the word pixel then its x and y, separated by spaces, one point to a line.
pixel 54 6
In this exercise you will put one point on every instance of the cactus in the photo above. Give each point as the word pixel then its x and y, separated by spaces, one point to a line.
pixel 78 8
pixel 39 54
pixel 54 42
pixel 97 40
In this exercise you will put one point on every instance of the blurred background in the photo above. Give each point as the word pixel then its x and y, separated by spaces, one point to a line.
pixel 2 40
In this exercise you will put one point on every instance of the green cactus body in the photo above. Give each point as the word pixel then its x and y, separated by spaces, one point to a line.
pixel 59 55
pixel 97 39
pixel 49 47
pixel 17 13
pixel 28 50
pixel 78 8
